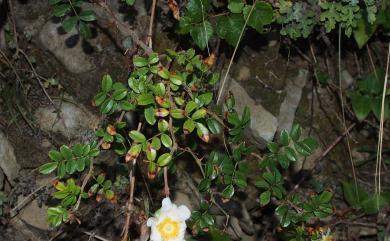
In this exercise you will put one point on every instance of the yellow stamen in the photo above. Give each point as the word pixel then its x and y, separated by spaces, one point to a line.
pixel 168 229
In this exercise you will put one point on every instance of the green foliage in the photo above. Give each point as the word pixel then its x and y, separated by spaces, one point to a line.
pixel 102 188
pixel 68 193
pixel 298 19
pixel 196 20
pixel 3 201
pixel 293 210
pixel 74 16
pixel 359 198
pixel 367 97
pixel 68 160
pixel 344 13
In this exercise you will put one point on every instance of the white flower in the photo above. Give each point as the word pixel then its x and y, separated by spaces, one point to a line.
pixel 169 223
pixel 327 236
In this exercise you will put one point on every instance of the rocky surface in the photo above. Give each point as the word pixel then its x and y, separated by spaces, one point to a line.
pixel 71 121
pixel 263 124
pixel 291 102
pixel 74 59
pixel 8 162
pixel 1 179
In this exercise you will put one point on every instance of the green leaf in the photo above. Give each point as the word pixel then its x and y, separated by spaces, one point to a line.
pixel 204 185
pixel 361 105
pixel 376 106
pixel 199 114
pixel 109 194
pixel 202 132
pixel 178 113
pixel 284 215
pixel 190 106
pixel 228 192
pixel 153 58
pixel 189 126
pixel 106 83
pixel 151 153
pixel 87 15
pixel 197 10
pixel 295 132
pixel 166 140
pixel 53 2
pixel 363 32
pixel 69 24
pixel 66 152
pixel 273 147
pixel 163 125
pixel 261 15
pixel 214 126
pixel 164 159
pixel 139 61
pixel 265 198
pixel 48 167
pixel 201 34
pixel 284 138
pixel 291 154
pixel 145 99
pixel 107 106
pixel 206 98
pixel 55 155
pixel 164 73
pixel 119 94
pixel 85 30
pixel 100 179
pixel 130 2
pixel 230 27
pixel 149 115
pixel 161 112
pixel 137 136
pixel 99 98
pixel 61 10
pixel 156 143
pixel 236 6
pixel 177 79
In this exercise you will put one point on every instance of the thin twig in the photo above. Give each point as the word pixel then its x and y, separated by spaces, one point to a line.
pixel 150 32
pixel 15 211
pixel 92 235
pixel 234 53
pixel 90 170
pixel 380 137
pixel 130 201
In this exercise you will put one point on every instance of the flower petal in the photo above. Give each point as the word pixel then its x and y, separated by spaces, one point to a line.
pixel 151 222
pixel 183 212
pixel 166 204
pixel 155 235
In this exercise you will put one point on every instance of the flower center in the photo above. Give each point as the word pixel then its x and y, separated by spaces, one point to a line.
pixel 168 229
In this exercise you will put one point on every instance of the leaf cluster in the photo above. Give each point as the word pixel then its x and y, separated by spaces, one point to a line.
pixel 74 16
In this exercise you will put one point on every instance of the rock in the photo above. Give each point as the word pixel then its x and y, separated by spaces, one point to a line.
pixel 72 121
pixel 244 74
pixel 1 179
pixel 8 162
pixel 74 59
pixel 293 97
pixel 34 215
pixel 263 124
pixel 346 79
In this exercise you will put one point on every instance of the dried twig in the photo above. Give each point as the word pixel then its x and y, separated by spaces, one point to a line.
pixel 130 201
